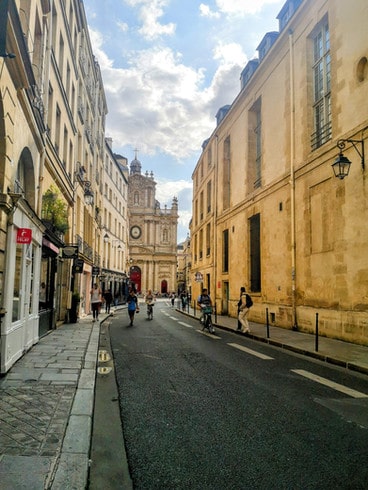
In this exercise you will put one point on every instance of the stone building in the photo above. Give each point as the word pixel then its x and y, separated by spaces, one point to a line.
pixel 152 235
pixel 52 171
pixel 113 220
pixel 184 266
pixel 265 196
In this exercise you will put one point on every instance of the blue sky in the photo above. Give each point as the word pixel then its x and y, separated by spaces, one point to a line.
pixel 167 67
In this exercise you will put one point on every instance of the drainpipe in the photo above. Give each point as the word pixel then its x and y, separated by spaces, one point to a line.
pixel 292 182
pixel 215 238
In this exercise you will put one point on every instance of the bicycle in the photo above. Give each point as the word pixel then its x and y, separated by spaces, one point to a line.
pixel 149 311
pixel 206 318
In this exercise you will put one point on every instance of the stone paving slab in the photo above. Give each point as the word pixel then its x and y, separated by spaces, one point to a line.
pixel 44 403
pixel 33 418
pixel 33 474
pixel 71 473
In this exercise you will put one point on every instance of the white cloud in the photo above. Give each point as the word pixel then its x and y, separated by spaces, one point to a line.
pixel 150 12
pixel 205 11
pixel 166 190
pixel 242 7
pixel 159 103
pixel 123 26
pixel 229 54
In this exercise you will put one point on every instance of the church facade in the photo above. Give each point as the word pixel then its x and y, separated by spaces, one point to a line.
pixel 152 235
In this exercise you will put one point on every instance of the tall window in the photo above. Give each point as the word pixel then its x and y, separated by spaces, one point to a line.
pixel 209 196
pixel 226 174
pixel 57 129
pixel 208 239
pixel 255 253
pixel 209 156
pixel 225 251
pixel 321 86
pixel 255 146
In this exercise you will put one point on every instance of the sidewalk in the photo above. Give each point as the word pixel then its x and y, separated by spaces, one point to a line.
pixel 47 399
pixel 46 407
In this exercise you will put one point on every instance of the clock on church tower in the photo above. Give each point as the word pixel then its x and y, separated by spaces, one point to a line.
pixel 135 232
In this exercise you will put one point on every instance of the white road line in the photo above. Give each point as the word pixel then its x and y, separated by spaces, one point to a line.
pixel 173 318
pixel 250 351
pixel 185 324
pixel 330 384
pixel 213 336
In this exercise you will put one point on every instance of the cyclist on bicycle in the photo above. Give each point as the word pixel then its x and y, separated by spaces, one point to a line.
pixel 204 298
pixel 204 301
pixel 149 299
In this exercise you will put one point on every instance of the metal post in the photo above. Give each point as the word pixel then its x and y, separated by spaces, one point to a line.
pixel 316 332
pixel 215 314
pixel 195 307
pixel 267 324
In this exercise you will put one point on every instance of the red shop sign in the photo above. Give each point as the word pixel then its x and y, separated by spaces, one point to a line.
pixel 24 235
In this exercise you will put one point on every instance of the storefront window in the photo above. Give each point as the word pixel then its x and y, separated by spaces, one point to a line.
pixel 17 284
pixel 43 283
pixel 30 258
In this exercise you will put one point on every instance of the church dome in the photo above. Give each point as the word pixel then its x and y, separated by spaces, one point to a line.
pixel 135 166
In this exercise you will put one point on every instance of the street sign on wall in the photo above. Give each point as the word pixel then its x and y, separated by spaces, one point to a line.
pixel 24 235
pixel 198 277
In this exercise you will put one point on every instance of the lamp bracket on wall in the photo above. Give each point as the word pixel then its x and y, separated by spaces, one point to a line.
pixel 341 144
pixel 341 165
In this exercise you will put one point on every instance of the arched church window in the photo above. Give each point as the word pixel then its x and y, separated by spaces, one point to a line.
pixel 136 198
pixel 165 235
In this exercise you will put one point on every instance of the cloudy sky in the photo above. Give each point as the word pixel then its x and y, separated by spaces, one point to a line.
pixel 167 67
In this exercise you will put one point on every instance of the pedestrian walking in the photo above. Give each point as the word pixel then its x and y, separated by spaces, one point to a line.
pixel 108 300
pixel 172 299
pixel 183 297
pixel 133 305
pixel 246 304
pixel 242 290
pixel 96 301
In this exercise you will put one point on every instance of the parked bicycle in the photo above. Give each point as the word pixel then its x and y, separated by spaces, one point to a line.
pixel 206 318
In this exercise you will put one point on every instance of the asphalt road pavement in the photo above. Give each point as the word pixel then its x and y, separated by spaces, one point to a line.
pixel 204 411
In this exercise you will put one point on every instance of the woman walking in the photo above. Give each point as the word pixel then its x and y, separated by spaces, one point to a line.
pixel 96 299
pixel 132 305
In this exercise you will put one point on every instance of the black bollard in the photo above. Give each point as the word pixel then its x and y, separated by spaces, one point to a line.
pixel 267 324
pixel 316 332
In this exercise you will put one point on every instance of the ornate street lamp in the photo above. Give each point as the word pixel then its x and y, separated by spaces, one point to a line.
pixel 341 165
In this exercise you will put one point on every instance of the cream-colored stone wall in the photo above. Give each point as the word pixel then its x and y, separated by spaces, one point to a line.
pixel 313 234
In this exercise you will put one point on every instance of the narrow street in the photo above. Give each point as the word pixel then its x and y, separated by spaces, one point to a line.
pixel 219 411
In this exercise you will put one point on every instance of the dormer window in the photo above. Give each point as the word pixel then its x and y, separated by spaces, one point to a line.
pixel 248 71
pixel 287 12
pixel 266 44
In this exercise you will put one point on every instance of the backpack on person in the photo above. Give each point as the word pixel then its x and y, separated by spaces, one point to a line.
pixel 248 301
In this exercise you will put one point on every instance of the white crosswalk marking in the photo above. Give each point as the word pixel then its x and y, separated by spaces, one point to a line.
pixel 250 351
pixel 330 384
